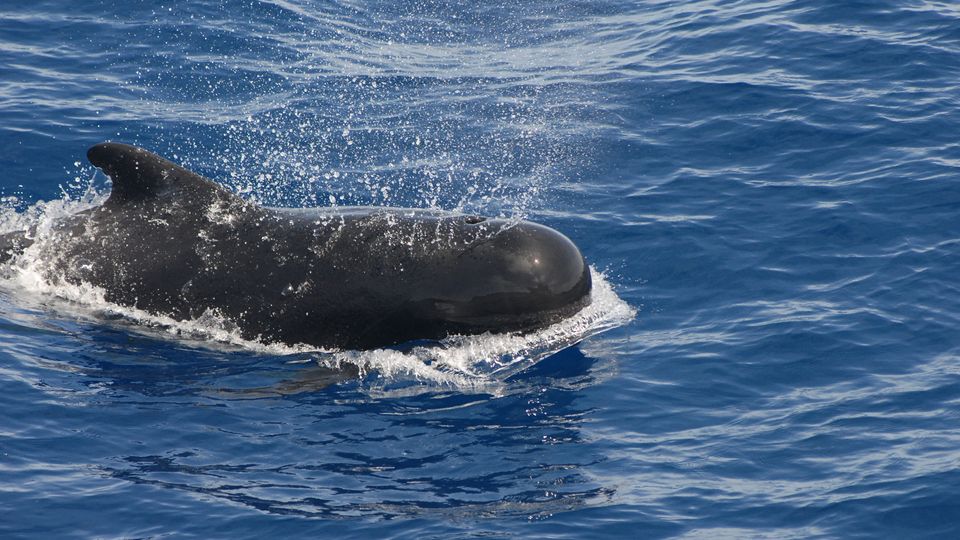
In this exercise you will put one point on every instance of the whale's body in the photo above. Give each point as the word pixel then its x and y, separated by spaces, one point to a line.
pixel 171 242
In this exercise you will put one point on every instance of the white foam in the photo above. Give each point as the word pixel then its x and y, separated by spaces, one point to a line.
pixel 484 361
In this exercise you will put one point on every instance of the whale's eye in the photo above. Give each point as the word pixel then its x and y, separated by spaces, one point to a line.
pixel 473 220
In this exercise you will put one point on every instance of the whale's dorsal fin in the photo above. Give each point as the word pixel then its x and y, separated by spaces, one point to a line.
pixel 138 174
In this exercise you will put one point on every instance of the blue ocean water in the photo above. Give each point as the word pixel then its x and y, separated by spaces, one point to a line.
pixel 771 185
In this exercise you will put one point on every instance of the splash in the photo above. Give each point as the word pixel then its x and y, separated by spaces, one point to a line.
pixel 359 105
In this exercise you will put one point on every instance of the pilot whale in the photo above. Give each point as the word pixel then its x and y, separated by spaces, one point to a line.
pixel 171 242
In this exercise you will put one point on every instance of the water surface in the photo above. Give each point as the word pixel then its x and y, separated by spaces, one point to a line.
pixel 772 186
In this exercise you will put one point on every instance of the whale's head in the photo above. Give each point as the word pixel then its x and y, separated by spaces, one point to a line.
pixel 522 276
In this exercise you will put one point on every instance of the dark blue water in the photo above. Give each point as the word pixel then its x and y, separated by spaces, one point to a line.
pixel 773 186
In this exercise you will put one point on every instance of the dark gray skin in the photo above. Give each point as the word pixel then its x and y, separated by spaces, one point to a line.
pixel 171 242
